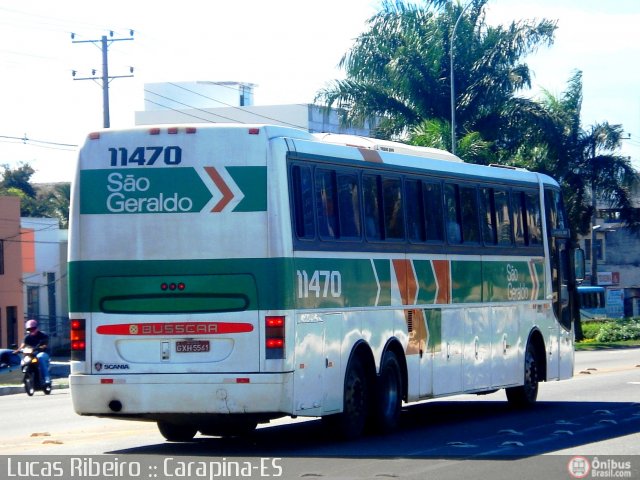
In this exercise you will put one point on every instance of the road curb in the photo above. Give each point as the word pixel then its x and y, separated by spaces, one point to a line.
pixel 14 389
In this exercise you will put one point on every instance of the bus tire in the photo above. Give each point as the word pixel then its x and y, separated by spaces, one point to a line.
pixel 525 395
pixel 174 432
pixel 389 394
pixel 356 403
pixel 237 428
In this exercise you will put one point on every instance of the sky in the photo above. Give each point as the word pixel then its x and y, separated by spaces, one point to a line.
pixel 289 48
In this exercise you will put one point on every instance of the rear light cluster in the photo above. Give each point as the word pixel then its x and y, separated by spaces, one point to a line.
pixel 172 130
pixel 180 286
pixel 154 131
pixel 274 337
pixel 78 340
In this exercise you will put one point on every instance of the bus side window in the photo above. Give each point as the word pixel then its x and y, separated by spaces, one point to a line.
pixel 303 210
pixel 488 216
pixel 393 211
pixel 517 208
pixel 372 210
pixel 469 214
pixel 432 196
pixel 415 211
pixel 503 218
pixel 349 206
pixel 534 219
pixel 454 228
pixel 326 204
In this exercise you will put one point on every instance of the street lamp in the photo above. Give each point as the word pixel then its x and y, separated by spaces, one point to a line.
pixel 453 90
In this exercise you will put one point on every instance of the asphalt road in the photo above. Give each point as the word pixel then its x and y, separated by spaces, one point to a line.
pixel 595 413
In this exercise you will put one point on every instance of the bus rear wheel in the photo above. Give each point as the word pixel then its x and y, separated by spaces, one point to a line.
pixel 231 428
pixel 389 394
pixel 174 432
pixel 525 395
pixel 355 414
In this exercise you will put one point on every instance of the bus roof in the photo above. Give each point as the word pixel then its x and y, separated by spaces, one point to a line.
pixel 384 151
pixel 386 146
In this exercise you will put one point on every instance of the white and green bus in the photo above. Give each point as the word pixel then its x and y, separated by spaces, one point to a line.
pixel 225 275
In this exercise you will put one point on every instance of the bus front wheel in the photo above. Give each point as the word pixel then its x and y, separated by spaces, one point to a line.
pixel 525 395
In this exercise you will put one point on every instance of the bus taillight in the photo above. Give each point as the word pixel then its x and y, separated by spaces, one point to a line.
pixel 78 340
pixel 274 337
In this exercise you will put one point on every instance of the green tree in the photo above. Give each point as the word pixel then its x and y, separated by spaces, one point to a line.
pixel 399 69
pixel 36 202
pixel 437 134
pixel 58 201
pixel 19 178
pixel 584 160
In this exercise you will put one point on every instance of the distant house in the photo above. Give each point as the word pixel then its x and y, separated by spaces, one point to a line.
pixel 617 252
pixel 44 277
pixel 11 309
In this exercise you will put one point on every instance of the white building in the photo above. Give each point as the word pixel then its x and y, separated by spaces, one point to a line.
pixel 195 95
pixel 232 102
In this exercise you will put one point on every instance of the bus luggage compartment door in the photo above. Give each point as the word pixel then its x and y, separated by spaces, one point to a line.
pixel 317 387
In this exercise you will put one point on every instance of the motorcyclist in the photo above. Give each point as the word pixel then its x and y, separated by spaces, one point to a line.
pixel 39 341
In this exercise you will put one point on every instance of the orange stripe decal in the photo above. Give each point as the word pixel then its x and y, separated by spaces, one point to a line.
pixel 407 283
pixel 442 270
pixel 227 194
pixel 370 155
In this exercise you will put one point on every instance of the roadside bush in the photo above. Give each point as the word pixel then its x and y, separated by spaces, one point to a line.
pixel 591 329
pixel 620 330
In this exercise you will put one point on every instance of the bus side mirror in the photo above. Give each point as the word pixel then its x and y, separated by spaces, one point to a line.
pixel 579 264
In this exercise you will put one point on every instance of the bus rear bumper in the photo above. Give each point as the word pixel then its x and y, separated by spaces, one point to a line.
pixel 150 395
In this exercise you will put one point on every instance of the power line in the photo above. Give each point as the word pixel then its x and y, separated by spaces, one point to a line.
pixel 192 107
pixel 184 112
pixel 233 106
pixel 24 139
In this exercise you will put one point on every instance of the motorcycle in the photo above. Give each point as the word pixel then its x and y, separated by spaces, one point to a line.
pixel 32 379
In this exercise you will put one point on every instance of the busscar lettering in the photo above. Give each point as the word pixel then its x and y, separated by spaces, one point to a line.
pixel 179 329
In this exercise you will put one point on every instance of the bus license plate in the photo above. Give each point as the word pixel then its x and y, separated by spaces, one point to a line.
pixel 192 346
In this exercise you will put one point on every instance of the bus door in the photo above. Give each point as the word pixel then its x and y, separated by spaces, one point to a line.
pixel 560 360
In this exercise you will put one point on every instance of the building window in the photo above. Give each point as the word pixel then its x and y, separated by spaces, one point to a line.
pixel 587 249
pixel 1 257
pixel 33 301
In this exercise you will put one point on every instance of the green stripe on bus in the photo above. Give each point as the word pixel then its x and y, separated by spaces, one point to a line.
pixel 140 190
pixel 252 182
pixel 288 283
pixel 434 329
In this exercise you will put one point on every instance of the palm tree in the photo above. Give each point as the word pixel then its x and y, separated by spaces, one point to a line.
pixel 59 200
pixel 398 70
pixel 586 161
pixel 437 134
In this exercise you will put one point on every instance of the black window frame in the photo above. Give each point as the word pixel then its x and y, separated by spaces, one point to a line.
pixel 417 235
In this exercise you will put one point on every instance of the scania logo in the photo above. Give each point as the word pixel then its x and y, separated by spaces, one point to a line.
pixel 110 366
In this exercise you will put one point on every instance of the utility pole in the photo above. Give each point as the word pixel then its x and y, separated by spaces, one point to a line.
pixel 451 79
pixel 105 78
